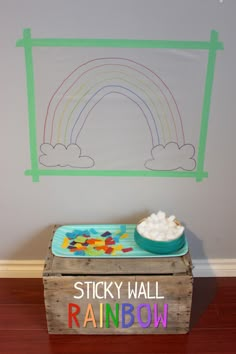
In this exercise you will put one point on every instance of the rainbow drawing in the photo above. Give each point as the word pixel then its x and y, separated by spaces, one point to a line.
pixel 79 93
pixel 83 88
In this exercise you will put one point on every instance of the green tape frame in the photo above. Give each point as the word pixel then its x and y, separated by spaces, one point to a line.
pixel 28 43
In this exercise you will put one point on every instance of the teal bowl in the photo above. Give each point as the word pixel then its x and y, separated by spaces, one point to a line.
pixel 159 247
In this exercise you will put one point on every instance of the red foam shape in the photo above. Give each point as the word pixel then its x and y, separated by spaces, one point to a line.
pixel 110 243
pixel 127 249
pixel 109 250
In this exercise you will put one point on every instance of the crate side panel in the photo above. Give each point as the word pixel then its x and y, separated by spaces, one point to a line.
pixel 60 291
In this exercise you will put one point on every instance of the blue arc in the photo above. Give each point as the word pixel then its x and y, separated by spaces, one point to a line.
pixel 125 88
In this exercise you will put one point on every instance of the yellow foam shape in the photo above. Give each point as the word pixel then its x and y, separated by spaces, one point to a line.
pixel 99 243
pixel 65 243
pixel 124 236
pixel 79 246
pixel 117 247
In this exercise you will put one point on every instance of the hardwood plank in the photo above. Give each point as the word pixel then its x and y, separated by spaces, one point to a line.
pixel 18 317
pixel 208 319
pixel 37 342
pixel 204 291
pixel 225 290
pixel 227 315
pixel 214 303
pixel 21 291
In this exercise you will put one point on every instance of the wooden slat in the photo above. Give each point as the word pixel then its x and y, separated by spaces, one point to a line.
pixel 60 291
pixel 166 265
pixel 49 257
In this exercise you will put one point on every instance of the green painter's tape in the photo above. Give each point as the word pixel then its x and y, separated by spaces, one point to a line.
pixel 116 173
pixel 118 43
pixel 206 104
pixel 31 103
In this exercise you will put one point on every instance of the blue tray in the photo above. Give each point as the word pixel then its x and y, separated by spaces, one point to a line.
pixel 102 241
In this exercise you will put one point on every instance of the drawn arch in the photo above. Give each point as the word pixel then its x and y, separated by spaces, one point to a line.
pixel 78 94
pixel 81 84
pixel 105 91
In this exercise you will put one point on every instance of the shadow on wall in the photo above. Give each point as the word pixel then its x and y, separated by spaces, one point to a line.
pixel 36 247
pixel 204 289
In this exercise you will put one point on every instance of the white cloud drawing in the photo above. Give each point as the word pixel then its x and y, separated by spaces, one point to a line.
pixel 62 156
pixel 172 157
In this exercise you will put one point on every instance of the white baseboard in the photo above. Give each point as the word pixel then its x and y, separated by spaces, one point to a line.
pixel 34 268
pixel 21 268
pixel 217 267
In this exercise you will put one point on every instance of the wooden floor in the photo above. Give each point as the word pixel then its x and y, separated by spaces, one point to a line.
pixel 23 324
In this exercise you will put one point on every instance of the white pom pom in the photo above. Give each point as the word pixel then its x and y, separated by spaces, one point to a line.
pixel 161 215
pixel 159 227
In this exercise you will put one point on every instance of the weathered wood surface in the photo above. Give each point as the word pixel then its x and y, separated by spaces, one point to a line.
pixel 49 257
pixel 165 265
pixel 173 274
pixel 59 291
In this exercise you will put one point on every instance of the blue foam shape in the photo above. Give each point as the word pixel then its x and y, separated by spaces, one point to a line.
pixel 93 231
pixel 123 228
pixel 79 253
pixel 80 232
pixel 86 232
pixel 116 238
pixel 71 235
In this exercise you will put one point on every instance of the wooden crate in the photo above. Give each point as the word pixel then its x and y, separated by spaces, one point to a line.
pixel 162 303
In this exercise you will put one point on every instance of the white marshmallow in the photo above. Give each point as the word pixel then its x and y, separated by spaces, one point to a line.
pixel 159 227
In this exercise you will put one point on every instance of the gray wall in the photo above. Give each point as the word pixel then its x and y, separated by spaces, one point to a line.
pixel 28 209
